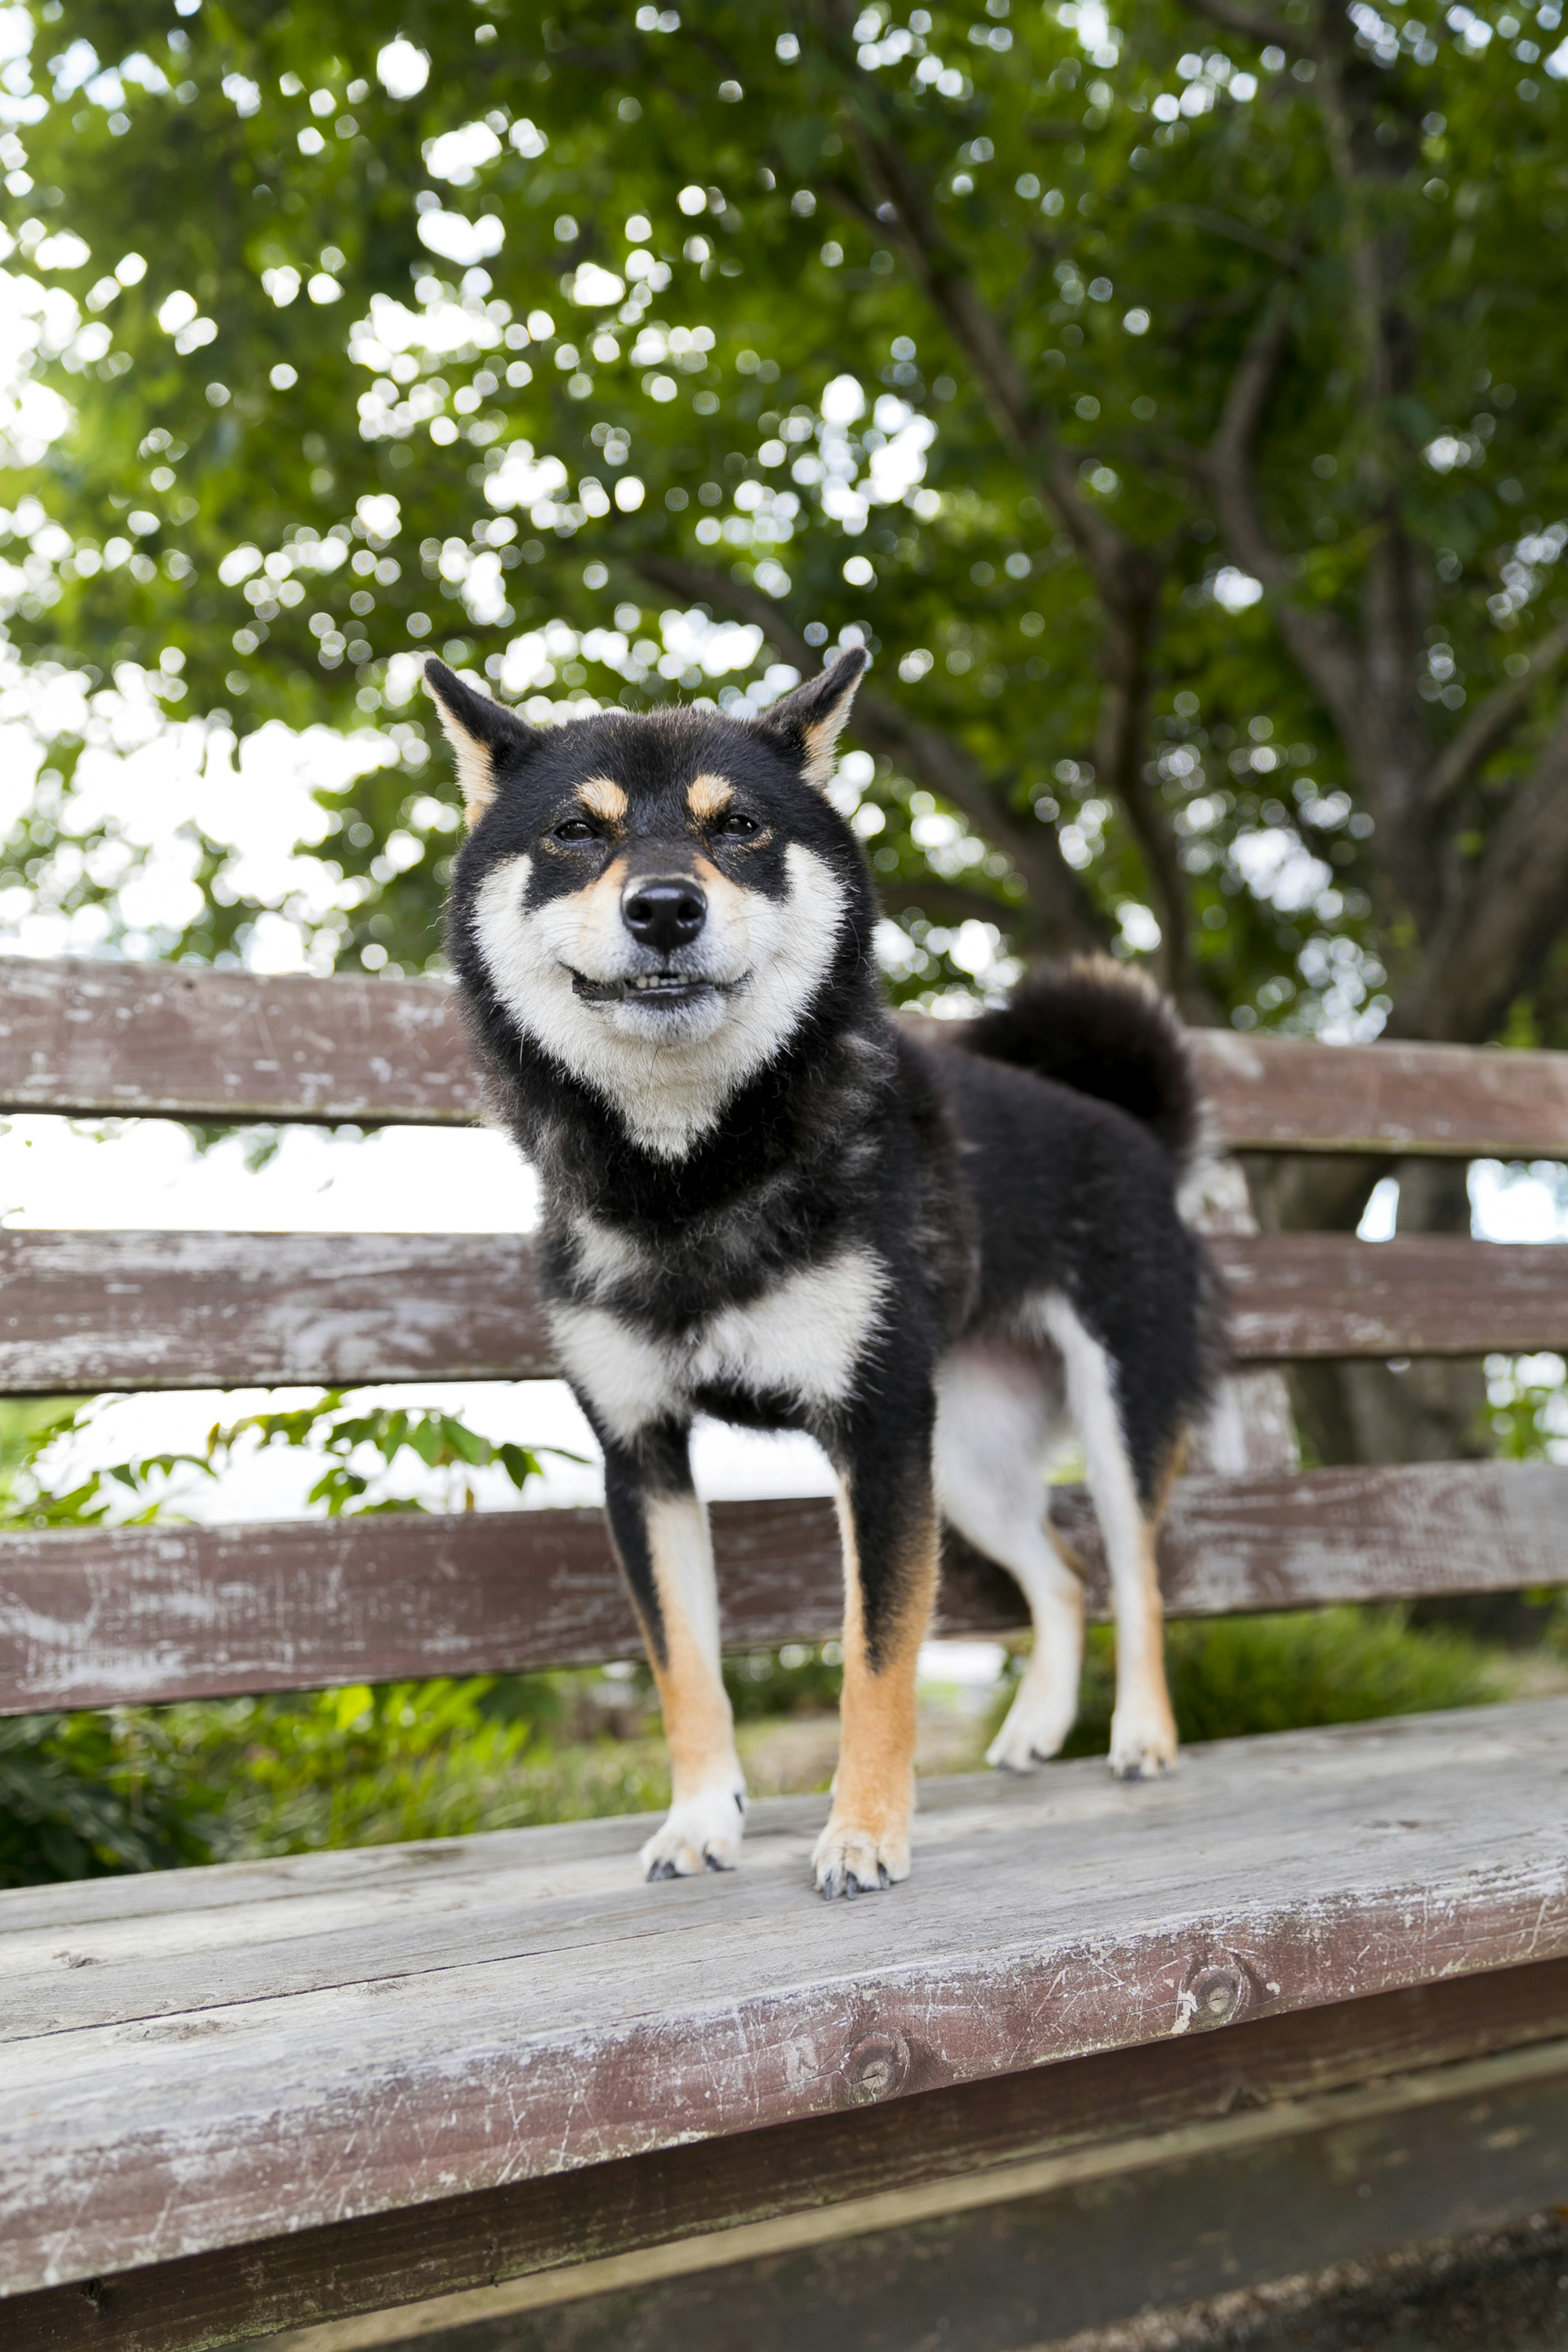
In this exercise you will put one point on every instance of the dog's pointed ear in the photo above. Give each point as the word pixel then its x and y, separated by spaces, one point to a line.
pixel 809 721
pixel 481 733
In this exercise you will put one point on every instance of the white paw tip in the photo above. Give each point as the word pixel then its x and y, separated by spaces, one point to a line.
pixel 853 1862
pixel 700 1835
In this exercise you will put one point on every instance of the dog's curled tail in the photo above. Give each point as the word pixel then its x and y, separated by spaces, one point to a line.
pixel 1104 1028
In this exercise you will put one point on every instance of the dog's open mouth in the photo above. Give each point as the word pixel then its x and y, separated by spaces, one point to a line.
pixel 649 988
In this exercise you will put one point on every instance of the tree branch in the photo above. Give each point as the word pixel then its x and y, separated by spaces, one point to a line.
pixel 1289 256
pixel 1058 910
pixel 1254 23
pixel 1323 649
pixel 1488 947
pixel 1497 715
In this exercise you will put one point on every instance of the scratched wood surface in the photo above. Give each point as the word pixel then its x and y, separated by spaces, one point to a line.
pixel 84 1036
pixel 192 1044
pixel 81 1312
pixel 97 1618
pixel 1294 1296
pixel 431 2021
pixel 463 2243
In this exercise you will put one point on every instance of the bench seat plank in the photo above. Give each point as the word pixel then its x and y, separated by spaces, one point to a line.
pixel 441 2019
pixel 471 2253
pixel 93 1618
pixel 82 1312
pixel 83 1037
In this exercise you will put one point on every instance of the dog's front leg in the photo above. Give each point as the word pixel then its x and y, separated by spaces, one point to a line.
pixel 661 1534
pixel 887 1510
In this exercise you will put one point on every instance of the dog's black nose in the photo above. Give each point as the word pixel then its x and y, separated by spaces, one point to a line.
pixel 664 915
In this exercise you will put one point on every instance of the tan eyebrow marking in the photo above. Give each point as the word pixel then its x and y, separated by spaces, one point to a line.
pixel 706 796
pixel 605 799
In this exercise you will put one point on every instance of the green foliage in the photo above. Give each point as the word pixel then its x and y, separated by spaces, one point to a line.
pixel 796 1680
pixel 83 1796
pixel 369 1765
pixel 1527 1406
pixel 697 242
pixel 1235 1676
pixel 441 1441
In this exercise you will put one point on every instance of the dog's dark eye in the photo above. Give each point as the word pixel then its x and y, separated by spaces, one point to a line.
pixel 737 824
pixel 575 828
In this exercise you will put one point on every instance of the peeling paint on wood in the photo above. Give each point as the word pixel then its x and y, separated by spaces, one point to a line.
pixel 99 1618
pixel 468 2242
pixel 220 2074
pixel 81 1312
pixel 189 1043
pixel 1298 1295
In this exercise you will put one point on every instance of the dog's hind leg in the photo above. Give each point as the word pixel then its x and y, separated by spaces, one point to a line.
pixel 995 1417
pixel 660 1533
pixel 887 1512
pixel 1142 1726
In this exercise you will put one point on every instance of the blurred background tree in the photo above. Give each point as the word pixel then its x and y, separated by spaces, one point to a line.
pixel 1170 402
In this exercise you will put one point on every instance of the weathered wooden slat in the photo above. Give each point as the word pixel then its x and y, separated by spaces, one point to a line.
pixel 1108 2233
pixel 81 1312
pixel 602 2019
pixel 99 1618
pixel 186 1042
pixel 481 2242
pixel 1290 1094
pixel 1294 1296
pixel 469 2247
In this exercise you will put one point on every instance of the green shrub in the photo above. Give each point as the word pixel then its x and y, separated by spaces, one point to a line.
pixel 1234 1675
pixel 82 1796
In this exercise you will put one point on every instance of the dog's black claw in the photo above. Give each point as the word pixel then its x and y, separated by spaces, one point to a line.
pixel 656 1870
pixel 883 1880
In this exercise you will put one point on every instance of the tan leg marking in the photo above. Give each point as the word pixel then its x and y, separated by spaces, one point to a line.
pixel 1143 1724
pixel 707 1813
pixel 865 1844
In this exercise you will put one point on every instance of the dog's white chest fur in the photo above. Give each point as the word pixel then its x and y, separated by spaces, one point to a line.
pixel 800 1340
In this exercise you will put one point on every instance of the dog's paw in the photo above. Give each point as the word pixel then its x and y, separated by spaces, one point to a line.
pixel 1142 1744
pixel 1036 1728
pixel 701 1833
pixel 851 1860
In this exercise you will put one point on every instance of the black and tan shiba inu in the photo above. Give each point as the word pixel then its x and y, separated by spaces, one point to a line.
pixel 764 1203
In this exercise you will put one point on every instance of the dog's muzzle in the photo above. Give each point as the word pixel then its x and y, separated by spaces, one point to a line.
pixel 664 913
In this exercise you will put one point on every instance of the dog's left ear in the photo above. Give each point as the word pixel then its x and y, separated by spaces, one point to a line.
pixel 808 722
pixel 481 733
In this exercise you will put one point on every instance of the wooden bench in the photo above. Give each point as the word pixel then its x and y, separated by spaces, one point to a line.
pixel 1111 2046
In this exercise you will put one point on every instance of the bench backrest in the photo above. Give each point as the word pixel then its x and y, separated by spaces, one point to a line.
pixel 91 1617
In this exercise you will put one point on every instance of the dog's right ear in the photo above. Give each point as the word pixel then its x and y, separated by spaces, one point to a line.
pixel 481 733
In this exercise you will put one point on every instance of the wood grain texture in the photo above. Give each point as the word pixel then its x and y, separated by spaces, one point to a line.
pixel 85 1036
pixel 192 1044
pixel 437 2020
pixel 460 2243
pixel 1296 1296
pixel 93 1619
pixel 1290 1094
pixel 81 1312
pixel 1105 2235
